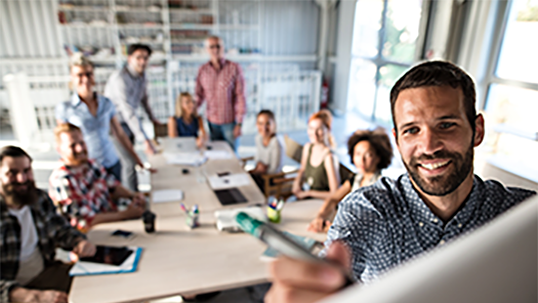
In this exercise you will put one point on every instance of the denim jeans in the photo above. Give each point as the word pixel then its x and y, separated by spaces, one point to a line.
pixel 224 132
pixel 128 173
pixel 115 170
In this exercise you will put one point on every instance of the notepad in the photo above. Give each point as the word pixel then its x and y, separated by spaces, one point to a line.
pixel 84 268
pixel 229 181
pixel 226 218
pixel 192 159
pixel 217 154
pixel 166 195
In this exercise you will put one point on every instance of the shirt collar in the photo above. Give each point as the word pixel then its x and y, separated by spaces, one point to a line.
pixel 420 212
pixel 75 100
pixel 132 73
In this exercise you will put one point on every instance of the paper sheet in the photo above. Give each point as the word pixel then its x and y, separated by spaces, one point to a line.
pixel 130 264
pixel 193 159
pixel 217 154
pixel 229 181
pixel 166 195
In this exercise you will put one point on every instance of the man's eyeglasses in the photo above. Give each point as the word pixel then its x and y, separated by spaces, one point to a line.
pixel 217 46
pixel 88 74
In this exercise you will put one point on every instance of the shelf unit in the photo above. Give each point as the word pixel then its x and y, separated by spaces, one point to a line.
pixel 173 28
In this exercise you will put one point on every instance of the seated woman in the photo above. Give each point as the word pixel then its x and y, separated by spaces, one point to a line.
pixel 186 122
pixel 269 151
pixel 370 152
pixel 317 176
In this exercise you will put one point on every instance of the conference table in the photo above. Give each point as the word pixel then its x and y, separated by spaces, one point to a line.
pixel 179 260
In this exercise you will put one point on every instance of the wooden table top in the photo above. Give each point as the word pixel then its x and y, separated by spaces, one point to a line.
pixel 177 260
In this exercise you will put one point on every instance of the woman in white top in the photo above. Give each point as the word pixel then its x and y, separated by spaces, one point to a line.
pixel 269 151
pixel 370 152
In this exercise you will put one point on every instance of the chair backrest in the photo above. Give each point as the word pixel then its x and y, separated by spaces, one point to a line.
pixel 160 130
pixel 294 150
pixel 344 172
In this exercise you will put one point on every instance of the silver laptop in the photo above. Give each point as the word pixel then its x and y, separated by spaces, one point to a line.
pixel 179 144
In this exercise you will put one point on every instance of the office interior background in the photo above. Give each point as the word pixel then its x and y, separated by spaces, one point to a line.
pixel 297 56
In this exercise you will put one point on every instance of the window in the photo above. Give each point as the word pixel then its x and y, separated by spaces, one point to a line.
pixel 384 46
pixel 512 85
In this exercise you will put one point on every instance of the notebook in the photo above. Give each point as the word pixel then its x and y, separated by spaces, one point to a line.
pixel 121 260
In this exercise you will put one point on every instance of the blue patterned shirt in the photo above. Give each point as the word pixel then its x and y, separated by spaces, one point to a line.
pixel 95 129
pixel 388 223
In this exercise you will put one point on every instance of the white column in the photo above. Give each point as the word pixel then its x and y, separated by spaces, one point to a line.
pixel 346 15
pixel 21 109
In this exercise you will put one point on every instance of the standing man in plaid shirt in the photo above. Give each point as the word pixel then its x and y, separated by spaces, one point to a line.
pixel 31 230
pixel 83 188
pixel 220 83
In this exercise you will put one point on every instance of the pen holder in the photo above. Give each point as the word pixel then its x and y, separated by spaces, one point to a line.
pixel 273 215
pixel 192 219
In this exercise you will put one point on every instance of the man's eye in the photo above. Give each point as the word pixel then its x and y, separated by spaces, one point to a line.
pixel 411 131
pixel 446 125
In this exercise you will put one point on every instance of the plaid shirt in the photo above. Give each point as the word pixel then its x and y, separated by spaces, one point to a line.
pixel 82 193
pixel 224 92
pixel 52 230
pixel 387 223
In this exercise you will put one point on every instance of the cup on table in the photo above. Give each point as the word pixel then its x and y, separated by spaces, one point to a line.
pixel 149 221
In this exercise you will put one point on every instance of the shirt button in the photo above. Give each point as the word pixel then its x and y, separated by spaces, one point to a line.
pixel 441 242
pixel 435 220
pixel 459 225
pixel 420 224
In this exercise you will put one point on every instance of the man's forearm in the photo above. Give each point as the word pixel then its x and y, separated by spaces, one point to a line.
pixel 121 192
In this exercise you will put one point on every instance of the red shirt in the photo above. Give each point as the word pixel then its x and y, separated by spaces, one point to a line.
pixel 224 91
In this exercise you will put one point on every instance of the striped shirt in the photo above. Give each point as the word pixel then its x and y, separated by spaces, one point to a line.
pixel 223 91
pixel 387 223
pixel 83 192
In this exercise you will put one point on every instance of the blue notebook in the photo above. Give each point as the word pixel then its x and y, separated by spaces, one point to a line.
pixel 84 268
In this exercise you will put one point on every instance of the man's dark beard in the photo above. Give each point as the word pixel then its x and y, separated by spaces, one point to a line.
pixel 442 185
pixel 19 197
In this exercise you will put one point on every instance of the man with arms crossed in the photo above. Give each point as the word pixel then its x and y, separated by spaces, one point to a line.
pixel 82 187
pixel 127 88
pixel 220 83
pixel 379 227
pixel 31 230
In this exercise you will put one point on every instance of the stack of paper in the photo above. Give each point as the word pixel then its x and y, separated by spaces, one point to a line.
pixel 193 159
pixel 90 268
pixel 166 195
pixel 217 154
pixel 229 181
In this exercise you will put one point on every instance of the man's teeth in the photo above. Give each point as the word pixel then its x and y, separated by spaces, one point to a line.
pixel 433 166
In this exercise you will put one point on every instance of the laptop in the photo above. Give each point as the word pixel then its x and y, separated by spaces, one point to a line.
pixel 179 144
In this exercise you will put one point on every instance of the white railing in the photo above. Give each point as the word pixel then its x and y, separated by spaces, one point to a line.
pixel 293 95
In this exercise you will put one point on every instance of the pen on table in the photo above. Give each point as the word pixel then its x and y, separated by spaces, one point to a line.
pixel 282 243
pixel 182 206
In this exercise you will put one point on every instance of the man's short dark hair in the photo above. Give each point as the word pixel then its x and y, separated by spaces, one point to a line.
pixel 437 73
pixel 380 142
pixel 14 152
pixel 268 113
pixel 134 47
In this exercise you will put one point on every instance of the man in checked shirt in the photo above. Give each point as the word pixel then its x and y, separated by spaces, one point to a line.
pixel 220 83
pixel 378 227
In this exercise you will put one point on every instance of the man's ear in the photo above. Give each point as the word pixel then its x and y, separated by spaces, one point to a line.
pixel 395 136
pixel 479 130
